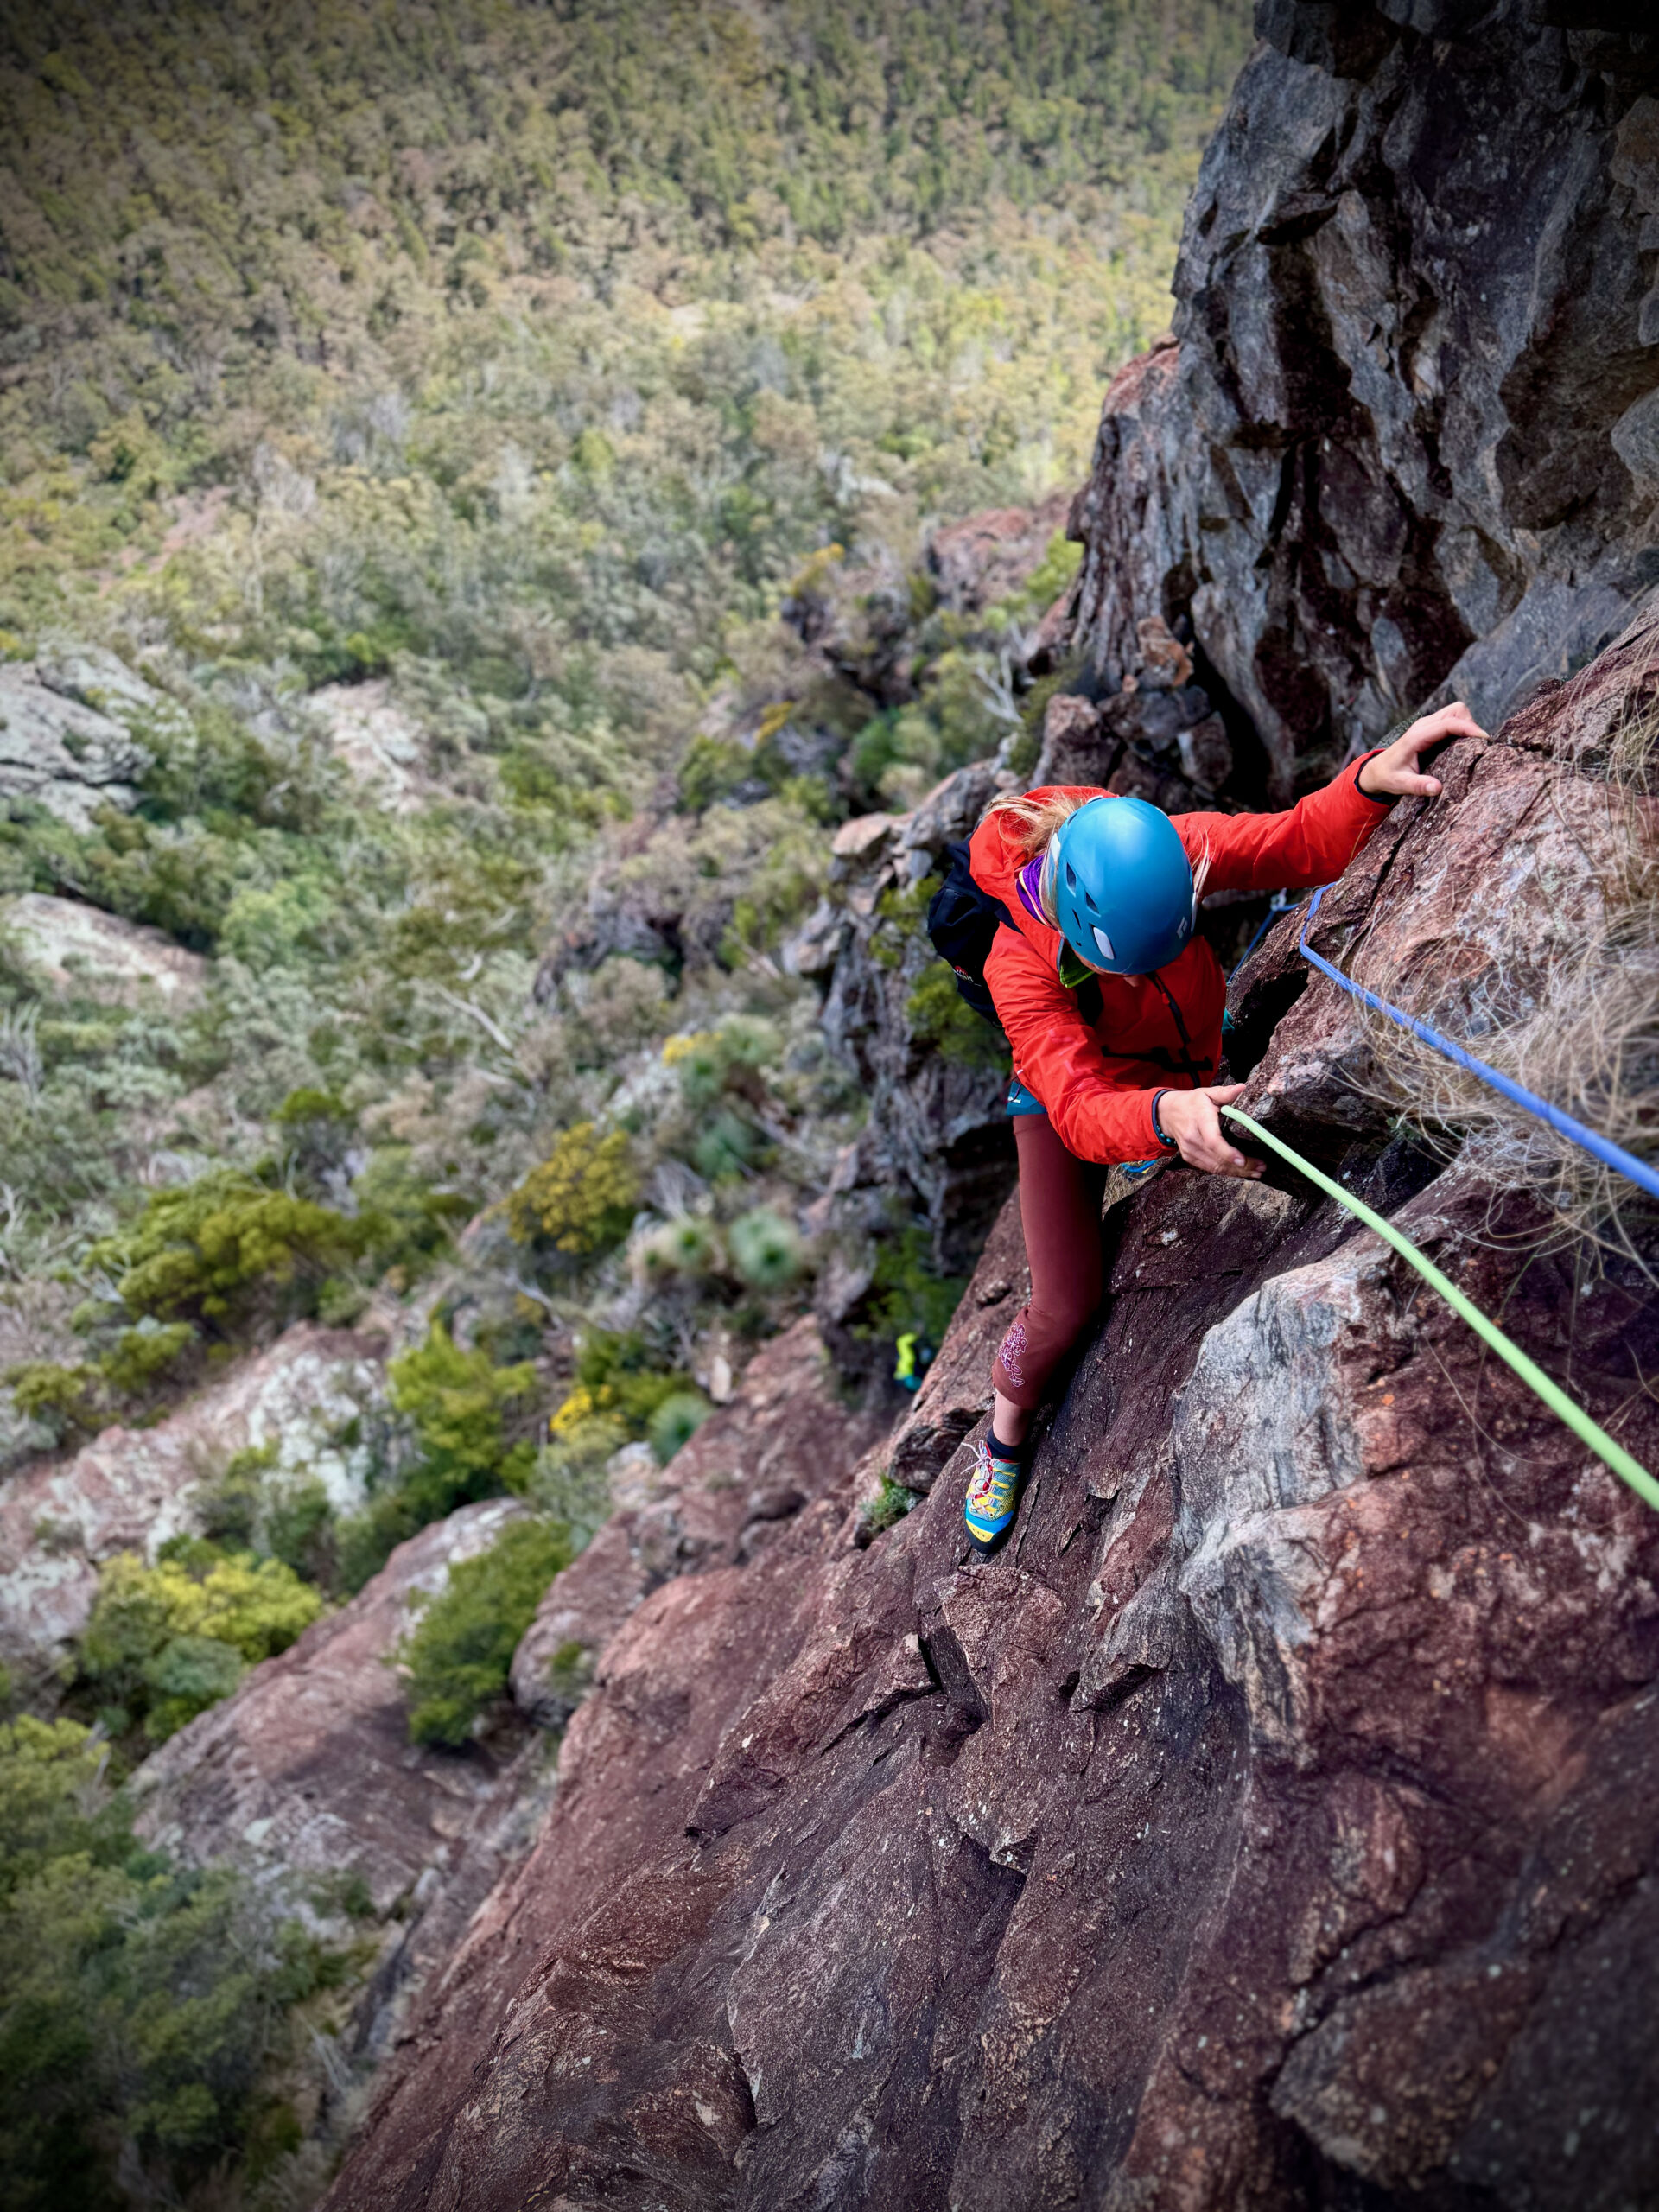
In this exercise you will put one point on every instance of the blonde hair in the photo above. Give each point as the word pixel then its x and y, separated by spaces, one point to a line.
pixel 1039 817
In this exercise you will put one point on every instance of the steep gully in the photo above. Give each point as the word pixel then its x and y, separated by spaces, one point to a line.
pixel 1269 1825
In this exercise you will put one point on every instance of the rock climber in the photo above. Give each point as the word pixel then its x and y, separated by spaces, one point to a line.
pixel 1112 1003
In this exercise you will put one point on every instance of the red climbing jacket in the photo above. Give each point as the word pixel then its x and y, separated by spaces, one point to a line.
pixel 1097 1081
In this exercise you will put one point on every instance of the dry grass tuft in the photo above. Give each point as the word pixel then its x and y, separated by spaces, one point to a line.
pixel 1570 1012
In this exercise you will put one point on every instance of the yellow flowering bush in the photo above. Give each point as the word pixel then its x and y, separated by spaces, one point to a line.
pixel 581 1198
pixel 165 1641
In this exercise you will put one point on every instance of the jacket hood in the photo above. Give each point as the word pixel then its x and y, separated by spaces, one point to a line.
pixel 995 855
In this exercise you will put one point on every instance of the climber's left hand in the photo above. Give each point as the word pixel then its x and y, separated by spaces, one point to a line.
pixel 1394 773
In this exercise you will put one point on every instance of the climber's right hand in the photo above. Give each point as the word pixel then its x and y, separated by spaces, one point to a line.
pixel 1190 1117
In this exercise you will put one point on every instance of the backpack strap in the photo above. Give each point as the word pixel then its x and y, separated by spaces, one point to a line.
pixel 1187 1065
pixel 963 921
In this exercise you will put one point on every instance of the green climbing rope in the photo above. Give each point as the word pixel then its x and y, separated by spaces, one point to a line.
pixel 1628 1469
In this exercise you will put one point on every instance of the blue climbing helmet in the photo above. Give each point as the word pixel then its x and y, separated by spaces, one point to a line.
pixel 1122 886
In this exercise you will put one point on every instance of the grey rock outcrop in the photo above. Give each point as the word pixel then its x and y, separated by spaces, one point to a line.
pixel 1404 443
pixel 79 948
pixel 71 731
pixel 130 1490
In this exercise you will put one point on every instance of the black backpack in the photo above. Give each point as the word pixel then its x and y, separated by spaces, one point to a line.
pixel 962 920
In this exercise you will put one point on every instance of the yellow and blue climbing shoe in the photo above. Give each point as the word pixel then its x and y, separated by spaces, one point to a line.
pixel 993 1494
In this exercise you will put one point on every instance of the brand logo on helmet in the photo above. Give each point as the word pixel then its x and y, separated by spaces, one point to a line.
pixel 1105 944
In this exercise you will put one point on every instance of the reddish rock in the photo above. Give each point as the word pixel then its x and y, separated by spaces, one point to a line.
pixel 978 562
pixel 306 1767
pixel 1268 1824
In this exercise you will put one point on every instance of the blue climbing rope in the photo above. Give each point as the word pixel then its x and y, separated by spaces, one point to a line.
pixel 1600 1148
pixel 1281 905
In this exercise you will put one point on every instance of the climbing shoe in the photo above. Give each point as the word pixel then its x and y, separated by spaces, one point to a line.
pixel 993 1497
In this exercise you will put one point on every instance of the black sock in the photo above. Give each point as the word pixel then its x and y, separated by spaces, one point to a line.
pixel 999 1450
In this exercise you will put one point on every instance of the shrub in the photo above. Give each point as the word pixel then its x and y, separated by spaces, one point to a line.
pixel 62 1398
pixel 70 1399
pixel 684 1247
pixel 140 2003
pixel 165 1641
pixel 728 1057
pixel 674 1422
pixel 299 1529
pixel 458 1655
pixel 571 1481
pixel 906 1295
pixel 938 1015
pixel 580 1199
pixel 766 1248
pixel 725 1146
pixel 405 1222
pixel 229 1510
pixel 614 1377
pixel 223 1247
pixel 460 1408
pixel 890 1504
pixel 700 1064
pixel 714 768
pixel 459 1402
pixel 364 1541
pixel 142 1356
pixel 49 1771
pixel 271 928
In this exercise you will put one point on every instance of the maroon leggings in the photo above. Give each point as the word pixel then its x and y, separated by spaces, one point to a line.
pixel 1059 1212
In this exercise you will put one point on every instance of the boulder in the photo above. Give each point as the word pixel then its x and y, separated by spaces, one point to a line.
pixel 77 948
pixel 1268 1823
pixel 375 741
pixel 130 1490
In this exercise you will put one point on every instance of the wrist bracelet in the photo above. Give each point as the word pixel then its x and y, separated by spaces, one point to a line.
pixel 1158 1097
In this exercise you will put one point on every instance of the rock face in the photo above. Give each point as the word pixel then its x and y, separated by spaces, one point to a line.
pixel 1270 1824
pixel 67 733
pixel 130 1490
pixel 308 1768
pixel 79 948
pixel 937 1126
pixel 987 558
pixel 375 741
pixel 723 1501
pixel 1405 441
